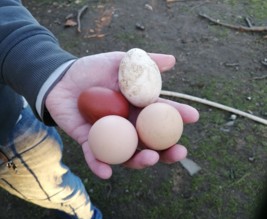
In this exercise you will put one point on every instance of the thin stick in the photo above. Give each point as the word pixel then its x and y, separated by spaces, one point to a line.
pixel 80 12
pixel 248 22
pixel 172 1
pixel 213 104
pixel 260 77
pixel 236 27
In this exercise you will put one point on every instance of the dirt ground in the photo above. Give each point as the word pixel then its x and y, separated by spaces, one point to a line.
pixel 221 64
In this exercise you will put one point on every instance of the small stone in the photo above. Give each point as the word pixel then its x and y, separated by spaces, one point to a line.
pixel 140 26
pixel 230 123
pixel 251 159
pixel 233 117
pixel 149 7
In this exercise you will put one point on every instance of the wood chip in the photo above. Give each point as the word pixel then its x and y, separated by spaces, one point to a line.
pixel 70 23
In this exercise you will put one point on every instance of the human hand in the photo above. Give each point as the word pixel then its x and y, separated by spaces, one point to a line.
pixel 102 70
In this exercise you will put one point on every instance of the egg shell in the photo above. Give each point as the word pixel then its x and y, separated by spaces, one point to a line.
pixel 159 126
pixel 97 102
pixel 139 78
pixel 113 139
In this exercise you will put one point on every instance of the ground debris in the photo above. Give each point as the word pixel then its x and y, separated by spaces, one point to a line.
pixel 104 19
pixel 231 64
pixel 227 126
pixel 139 26
pixel 260 77
pixel 80 13
pixel 233 117
pixel 251 159
pixel 190 166
pixel 70 23
pixel 230 123
pixel 264 62
pixel 149 7
pixel 100 35
pixel 214 104
pixel 236 27
pixel 171 1
pixel 69 16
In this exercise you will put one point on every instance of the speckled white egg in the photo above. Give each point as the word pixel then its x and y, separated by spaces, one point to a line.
pixel 113 139
pixel 159 126
pixel 139 78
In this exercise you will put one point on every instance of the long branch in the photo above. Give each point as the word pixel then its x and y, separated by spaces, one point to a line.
pixel 236 27
pixel 213 104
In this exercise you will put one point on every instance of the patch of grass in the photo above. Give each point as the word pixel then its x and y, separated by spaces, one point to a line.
pixel 131 37
pixel 230 182
pixel 218 31
pixel 255 8
pixel 227 178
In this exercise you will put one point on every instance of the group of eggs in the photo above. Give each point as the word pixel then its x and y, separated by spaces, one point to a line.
pixel 113 139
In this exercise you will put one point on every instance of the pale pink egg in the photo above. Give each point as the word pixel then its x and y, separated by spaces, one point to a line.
pixel 113 139
pixel 159 126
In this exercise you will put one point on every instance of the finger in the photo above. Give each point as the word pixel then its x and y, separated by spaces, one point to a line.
pixel 189 114
pixel 143 159
pixel 164 62
pixel 173 154
pixel 100 169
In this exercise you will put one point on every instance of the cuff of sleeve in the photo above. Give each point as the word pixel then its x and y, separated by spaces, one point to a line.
pixel 46 87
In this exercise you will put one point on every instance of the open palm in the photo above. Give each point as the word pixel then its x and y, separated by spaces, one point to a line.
pixel 102 70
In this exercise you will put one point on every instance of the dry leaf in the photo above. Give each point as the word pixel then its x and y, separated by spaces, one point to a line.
pixel 70 23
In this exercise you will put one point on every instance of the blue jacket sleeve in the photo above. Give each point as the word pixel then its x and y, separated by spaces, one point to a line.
pixel 29 52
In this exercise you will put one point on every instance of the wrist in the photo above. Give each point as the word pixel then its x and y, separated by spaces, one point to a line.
pixel 47 87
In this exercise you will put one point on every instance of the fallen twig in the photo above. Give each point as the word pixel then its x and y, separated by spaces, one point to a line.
pixel 172 1
pixel 236 27
pixel 248 22
pixel 80 12
pixel 260 77
pixel 213 104
pixel 94 36
pixel 231 64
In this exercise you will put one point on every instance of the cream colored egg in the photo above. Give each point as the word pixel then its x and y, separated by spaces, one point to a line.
pixel 159 126
pixel 139 78
pixel 113 139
